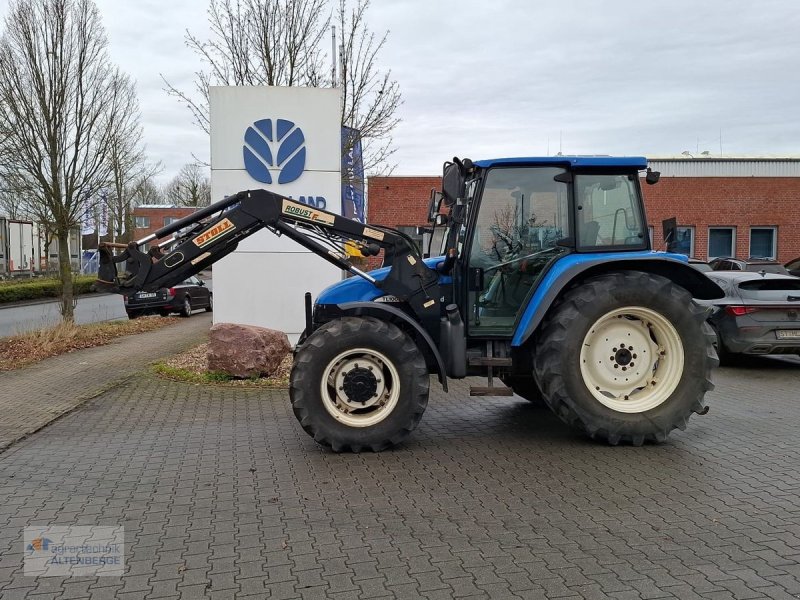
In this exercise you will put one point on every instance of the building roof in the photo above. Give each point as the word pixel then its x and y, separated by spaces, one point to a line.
pixel 727 166
pixel 636 162
pixel 164 206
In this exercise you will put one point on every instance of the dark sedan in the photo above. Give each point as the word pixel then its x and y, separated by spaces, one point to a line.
pixel 760 313
pixel 189 295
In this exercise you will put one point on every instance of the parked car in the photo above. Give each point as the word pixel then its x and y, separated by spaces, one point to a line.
pixel 793 266
pixel 760 313
pixel 700 265
pixel 183 298
pixel 752 264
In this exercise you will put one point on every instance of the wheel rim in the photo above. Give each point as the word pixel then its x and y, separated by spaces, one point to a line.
pixel 360 387
pixel 187 306
pixel 632 359
pixel 211 302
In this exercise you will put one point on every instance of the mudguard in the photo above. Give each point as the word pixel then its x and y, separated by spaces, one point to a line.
pixel 672 266
pixel 388 312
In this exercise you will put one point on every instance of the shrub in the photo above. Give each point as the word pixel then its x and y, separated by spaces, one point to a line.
pixel 33 289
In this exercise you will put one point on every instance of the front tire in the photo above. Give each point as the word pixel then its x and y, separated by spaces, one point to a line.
pixel 186 309
pixel 359 384
pixel 625 357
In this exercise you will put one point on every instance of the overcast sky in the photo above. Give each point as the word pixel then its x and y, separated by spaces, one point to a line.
pixel 511 78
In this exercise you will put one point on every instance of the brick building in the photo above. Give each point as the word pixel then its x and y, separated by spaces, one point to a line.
pixel 151 217
pixel 729 206
pixel 724 206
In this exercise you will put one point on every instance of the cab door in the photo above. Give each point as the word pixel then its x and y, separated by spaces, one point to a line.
pixel 523 212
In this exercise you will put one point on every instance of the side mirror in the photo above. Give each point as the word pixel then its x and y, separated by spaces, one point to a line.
pixel 669 228
pixel 652 177
pixel 201 283
pixel 452 183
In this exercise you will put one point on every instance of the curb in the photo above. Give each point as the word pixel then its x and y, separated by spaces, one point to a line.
pixel 81 401
pixel 48 300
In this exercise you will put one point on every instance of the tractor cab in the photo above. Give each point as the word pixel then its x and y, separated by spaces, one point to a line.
pixel 507 222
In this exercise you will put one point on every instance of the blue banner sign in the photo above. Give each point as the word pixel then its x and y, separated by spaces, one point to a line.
pixel 352 176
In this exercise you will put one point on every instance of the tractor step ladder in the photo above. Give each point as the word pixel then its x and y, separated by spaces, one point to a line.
pixel 490 361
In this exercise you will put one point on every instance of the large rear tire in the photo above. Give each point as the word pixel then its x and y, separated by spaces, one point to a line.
pixel 626 357
pixel 359 384
pixel 525 387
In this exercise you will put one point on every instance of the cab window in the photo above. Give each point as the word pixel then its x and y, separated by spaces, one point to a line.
pixel 523 213
pixel 608 212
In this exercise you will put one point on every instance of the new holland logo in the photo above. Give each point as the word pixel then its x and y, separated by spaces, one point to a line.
pixel 286 138
pixel 301 211
pixel 224 227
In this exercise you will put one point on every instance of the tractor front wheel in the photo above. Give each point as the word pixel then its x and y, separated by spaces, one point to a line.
pixel 359 384
pixel 625 357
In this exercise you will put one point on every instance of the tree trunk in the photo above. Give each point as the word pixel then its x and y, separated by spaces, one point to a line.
pixel 65 273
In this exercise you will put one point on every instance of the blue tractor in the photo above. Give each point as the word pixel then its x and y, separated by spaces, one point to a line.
pixel 540 274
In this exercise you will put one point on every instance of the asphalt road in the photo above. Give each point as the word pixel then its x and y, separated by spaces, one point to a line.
pixel 90 309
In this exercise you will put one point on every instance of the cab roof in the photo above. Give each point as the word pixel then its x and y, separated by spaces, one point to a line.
pixel 633 162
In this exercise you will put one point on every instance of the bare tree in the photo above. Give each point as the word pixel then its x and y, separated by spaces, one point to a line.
pixel 129 171
pixel 12 205
pixel 62 101
pixel 371 97
pixel 147 192
pixel 190 187
pixel 279 42
pixel 256 42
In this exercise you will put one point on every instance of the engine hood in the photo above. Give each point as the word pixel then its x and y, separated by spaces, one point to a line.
pixel 358 289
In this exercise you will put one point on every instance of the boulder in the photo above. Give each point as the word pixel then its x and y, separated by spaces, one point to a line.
pixel 246 350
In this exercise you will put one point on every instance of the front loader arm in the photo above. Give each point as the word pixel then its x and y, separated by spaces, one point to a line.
pixel 202 238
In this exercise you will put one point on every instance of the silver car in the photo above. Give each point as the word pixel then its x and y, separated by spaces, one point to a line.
pixel 760 313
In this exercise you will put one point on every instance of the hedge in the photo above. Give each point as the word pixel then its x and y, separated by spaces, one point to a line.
pixel 33 289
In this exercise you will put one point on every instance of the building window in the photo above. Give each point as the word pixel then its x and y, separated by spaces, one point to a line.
pixel 763 242
pixel 721 242
pixel 141 222
pixel 169 220
pixel 684 241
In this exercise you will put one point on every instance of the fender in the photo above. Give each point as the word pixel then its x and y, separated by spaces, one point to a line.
pixel 672 266
pixel 382 311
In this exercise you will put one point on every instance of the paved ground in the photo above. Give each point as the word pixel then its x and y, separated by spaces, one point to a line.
pixel 32 397
pixel 222 495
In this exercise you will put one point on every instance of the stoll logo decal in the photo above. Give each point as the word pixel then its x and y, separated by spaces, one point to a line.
pixel 262 138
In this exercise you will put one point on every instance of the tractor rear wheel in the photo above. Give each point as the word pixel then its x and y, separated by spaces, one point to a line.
pixel 525 387
pixel 625 357
pixel 359 384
